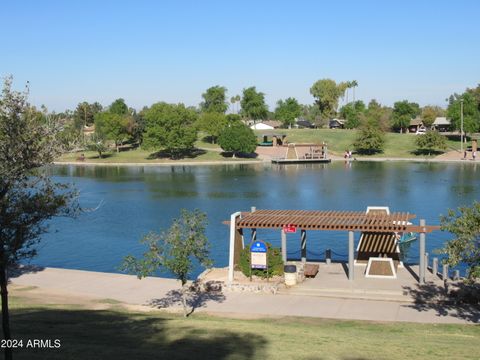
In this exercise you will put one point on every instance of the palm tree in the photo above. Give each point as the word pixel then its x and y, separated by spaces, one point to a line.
pixel 233 100
pixel 354 84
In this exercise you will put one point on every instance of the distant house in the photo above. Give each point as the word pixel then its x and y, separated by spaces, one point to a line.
pixel 274 123
pixel 336 124
pixel 301 124
pixel 441 124
pixel 415 125
pixel 261 126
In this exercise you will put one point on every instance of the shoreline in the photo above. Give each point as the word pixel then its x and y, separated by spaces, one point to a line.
pixel 255 162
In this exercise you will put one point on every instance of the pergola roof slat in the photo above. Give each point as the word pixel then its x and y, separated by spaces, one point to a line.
pixel 331 220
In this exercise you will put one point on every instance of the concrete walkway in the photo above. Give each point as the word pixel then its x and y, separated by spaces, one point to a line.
pixel 163 293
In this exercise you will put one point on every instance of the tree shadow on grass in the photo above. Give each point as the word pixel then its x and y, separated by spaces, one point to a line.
pixel 109 335
pixel 196 298
pixel 426 152
pixel 190 154
pixel 229 154
pixel 456 300
pixel 17 271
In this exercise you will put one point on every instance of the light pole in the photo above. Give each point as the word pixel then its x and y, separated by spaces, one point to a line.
pixel 461 125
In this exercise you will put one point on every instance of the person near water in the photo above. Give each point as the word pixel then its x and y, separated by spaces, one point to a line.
pixel 474 154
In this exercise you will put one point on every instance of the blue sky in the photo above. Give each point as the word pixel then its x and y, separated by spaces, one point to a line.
pixel 149 51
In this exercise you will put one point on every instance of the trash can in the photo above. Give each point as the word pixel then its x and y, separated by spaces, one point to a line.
pixel 290 275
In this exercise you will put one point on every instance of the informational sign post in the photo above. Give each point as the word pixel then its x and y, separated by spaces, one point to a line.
pixel 258 256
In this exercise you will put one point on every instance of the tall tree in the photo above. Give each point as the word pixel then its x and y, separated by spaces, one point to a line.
pixel 170 127
pixel 353 113
pixel 212 123
pixel 85 113
pixel 354 84
pixel 215 100
pixel 326 93
pixel 471 112
pixel 119 107
pixel 464 224
pixel 253 104
pixel 28 197
pixel 429 114
pixel 287 111
pixel 174 250
pixel 112 126
pixel 403 112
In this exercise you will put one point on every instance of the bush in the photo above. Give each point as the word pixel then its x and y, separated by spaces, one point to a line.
pixel 371 140
pixel 430 141
pixel 237 138
pixel 274 259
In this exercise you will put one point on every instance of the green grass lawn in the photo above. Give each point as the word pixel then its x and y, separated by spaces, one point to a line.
pixel 339 140
pixel 142 156
pixel 119 334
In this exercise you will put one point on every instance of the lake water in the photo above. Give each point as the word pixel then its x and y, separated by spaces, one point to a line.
pixel 131 201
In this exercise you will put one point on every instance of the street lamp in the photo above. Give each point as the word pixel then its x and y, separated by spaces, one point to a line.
pixel 461 125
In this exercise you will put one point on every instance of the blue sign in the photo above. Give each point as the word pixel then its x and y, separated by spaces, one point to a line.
pixel 258 247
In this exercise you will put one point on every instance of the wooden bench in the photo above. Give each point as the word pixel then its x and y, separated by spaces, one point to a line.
pixel 310 270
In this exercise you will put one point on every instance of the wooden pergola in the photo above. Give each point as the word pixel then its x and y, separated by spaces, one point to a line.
pixel 351 221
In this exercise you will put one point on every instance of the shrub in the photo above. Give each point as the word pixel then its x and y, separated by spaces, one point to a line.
pixel 430 141
pixel 274 259
pixel 370 140
pixel 237 138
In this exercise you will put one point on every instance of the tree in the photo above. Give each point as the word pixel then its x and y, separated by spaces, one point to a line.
pixel 174 250
pixel 213 124
pixel 287 111
pixel 119 107
pixel 312 113
pixel 352 112
pixel 237 138
pixel 170 127
pixel 378 115
pixel 471 112
pixel 253 104
pixel 326 93
pixel 97 143
pixel 465 247
pixel 28 197
pixel 403 112
pixel 112 126
pixel 370 140
pixel 430 141
pixel 214 100
pixel 85 113
pixel 429 114
pixel 354 84
pixel 235 99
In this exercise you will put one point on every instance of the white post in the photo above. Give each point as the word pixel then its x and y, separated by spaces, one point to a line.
pixel 350 255
pixel 284 246
pixel 231 257
pixel 421 270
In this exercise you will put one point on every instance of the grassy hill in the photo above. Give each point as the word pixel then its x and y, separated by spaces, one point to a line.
pixel 397 145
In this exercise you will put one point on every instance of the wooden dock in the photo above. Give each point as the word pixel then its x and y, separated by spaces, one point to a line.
pixel 303 153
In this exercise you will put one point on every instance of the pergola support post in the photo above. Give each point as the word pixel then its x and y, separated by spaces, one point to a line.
pixel 421 271
pixel 304 246
pixel 351 255
pixel 284 246
pixel 231 257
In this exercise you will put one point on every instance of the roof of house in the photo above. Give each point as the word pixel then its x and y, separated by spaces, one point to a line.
pixel 261 126
pixel 304 123
pixel 340 121
pixel 416 122
pixel 441 121
pixel 273 123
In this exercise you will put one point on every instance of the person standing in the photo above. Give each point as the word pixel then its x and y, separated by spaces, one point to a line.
pixel 474 154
